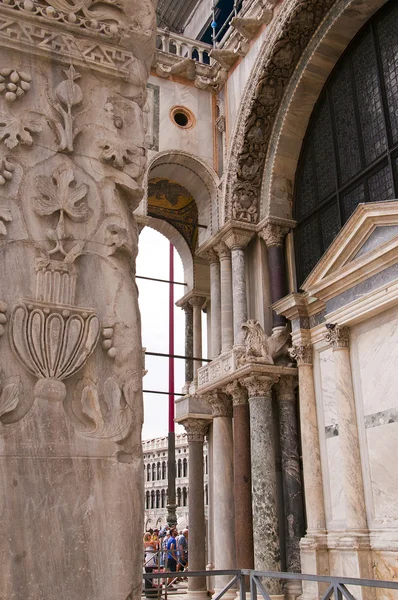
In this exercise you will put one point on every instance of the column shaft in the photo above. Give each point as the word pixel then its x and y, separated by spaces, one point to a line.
pixel 264 492
pixel 292 485
pixel 278 282
pixel 197 338
pixel 239 293
pixel 188 343
pixel 227 333
pixel 215 298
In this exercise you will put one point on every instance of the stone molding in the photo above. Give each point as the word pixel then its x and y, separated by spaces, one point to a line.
pixel 259 386
pixel 337 336
pixel 291 32
pixel 221 405
pixel 286 388
pixel 237 392
pixel 302 354
pixel 196 429
pixel 273 234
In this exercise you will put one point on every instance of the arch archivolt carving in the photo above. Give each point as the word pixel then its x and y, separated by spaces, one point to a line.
pixel 304 43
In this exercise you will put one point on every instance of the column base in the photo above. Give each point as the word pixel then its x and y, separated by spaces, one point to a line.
pixel 350 555
pixel 315 561
pixel 293 589
pixel 197 594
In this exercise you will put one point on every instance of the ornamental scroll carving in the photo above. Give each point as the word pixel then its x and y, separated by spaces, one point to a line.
pixel 269 81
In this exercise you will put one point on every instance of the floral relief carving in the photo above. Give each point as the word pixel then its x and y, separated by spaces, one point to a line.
pixel 101 416
pixel 118 153
pixel 268 85
pixel 60 194
pixel 5 217
pixel 17 130
pixel 103 10
pixel 10 392
pixel 69 95
pixel 6 172
pixel 14 84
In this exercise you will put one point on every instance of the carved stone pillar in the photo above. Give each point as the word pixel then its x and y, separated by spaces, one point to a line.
pixel 72 162
pixel 273 235
pixel 196 430
pixel 237 240
pixel 215 302
pixel 264 493
pixel 223 486
pixel 188 344
pixel 338 337
pixel 314 556
pixel 227 331
pixel 291 475
pixel 197 303
pixel 242 477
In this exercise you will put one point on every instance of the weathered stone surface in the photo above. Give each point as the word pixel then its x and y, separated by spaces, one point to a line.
pixel 72 158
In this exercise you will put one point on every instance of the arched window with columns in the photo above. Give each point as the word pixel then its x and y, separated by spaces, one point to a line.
pixel 163 499
pixel 153 499
pixel 148 472
pixel 158 471
pixel 350 152
pixel 184 496
pixel 147 500
pixel 185 468
pixel 153 472
pixel 164 470
pixel 178 496
pixel 179 468
pixel 157 498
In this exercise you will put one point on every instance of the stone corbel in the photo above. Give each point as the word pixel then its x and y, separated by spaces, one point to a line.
pixel 248 26
pixel 226 58
pixel 185 68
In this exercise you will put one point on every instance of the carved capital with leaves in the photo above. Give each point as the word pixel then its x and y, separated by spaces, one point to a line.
pixel 260 386
pixel 301 353
pixel 273 234
pixel 337 336
pixel 237 393
pixel 196 429
pixel 221 405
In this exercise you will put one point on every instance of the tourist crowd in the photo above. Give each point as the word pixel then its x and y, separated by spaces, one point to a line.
pixel 165 550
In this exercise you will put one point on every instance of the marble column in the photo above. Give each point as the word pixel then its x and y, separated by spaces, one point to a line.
pixel 196 430
pixel 215 302
pixel 197 303
pixel 227 332
pixel 314 554
pixel 188 344
pixel 223 487
pixel 273 235
pixel 348 430
pixel 291 476
pixel 242 477
pixel 264 492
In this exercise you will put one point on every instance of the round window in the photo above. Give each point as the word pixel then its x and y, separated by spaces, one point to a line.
pixel 182 117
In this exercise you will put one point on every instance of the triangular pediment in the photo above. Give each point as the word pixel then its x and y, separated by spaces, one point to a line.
pixel 367 244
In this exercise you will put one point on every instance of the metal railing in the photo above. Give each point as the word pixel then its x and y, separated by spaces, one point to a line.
pixel 335 587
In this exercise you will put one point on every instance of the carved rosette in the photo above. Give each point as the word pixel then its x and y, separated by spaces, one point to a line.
pixel 260 386
pixel 286 387
pixel 338 337
pixel 301 353
pixel 221 405
pixel 196 429
pixel 273 234
pixel 237 393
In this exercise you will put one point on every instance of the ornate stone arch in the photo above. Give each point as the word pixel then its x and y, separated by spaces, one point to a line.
pixel 265 98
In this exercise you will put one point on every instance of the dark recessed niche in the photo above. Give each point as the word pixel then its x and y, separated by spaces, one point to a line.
pixel 181 119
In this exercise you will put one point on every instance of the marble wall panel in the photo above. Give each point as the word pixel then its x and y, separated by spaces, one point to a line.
pixel 329 440
pixel 198 140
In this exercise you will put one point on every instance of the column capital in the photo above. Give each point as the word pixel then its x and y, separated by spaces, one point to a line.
pixel 237 238
pixel 302 354
pixel 273 234
pixel 196 429
pixel 259 386
pixel 221 405
pixel 286 387
pixel 222 250
pixel 237 392
pixel 197 301
pixel 210 255
pixel 337 336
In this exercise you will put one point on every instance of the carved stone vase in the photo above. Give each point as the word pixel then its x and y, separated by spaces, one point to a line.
pixel 72 158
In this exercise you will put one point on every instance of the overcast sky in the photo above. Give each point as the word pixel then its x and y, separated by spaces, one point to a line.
pixel 153 261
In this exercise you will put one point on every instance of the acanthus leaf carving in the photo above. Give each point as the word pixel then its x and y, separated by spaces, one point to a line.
pixel 10 393
pixel 5 217
pixel 119 153
pixel 18 130
pixel 108 416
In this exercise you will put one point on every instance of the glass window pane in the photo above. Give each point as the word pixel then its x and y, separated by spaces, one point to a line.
pixel 330 224
pixel 381 186
pixel 324 153
pixel 310 249
pixel 351 201
pixel 387 30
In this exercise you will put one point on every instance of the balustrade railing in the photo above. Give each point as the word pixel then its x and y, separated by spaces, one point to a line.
pixel 172 43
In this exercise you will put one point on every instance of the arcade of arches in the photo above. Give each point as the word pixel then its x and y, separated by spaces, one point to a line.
pixel 292 251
